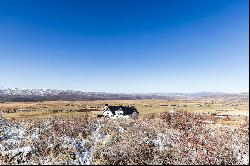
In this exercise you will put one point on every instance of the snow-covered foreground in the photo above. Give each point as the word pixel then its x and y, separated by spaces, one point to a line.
pixel 168 138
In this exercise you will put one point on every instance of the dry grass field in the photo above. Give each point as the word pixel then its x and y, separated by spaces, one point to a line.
pixel 69 108
pixel 177 132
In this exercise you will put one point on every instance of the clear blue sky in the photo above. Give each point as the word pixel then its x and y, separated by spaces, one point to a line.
pixel 125 45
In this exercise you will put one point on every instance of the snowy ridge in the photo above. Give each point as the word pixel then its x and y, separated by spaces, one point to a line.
pixel 21 94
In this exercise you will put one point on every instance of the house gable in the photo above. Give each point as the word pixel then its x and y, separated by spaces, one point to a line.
pixel 107 113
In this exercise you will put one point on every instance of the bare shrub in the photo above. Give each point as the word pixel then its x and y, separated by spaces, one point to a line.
pixel 174 137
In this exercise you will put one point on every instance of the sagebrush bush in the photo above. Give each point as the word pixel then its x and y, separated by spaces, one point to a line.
pixel 176 137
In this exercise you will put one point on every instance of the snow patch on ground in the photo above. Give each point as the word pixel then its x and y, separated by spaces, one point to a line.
pixel 14 152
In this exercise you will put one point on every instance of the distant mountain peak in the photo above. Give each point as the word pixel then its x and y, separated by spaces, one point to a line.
pixel 23 94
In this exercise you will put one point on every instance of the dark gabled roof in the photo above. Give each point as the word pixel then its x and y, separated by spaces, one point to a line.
pixel 113 108
pixel 126 110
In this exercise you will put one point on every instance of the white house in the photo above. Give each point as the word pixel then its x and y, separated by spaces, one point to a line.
pixel 119 111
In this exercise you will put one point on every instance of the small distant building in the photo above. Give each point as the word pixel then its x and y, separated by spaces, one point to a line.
pixel 119 111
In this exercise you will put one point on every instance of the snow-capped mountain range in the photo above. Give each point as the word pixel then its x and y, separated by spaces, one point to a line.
pixel 21 94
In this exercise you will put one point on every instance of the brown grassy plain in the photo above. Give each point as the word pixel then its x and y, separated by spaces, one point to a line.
pixel 47 108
